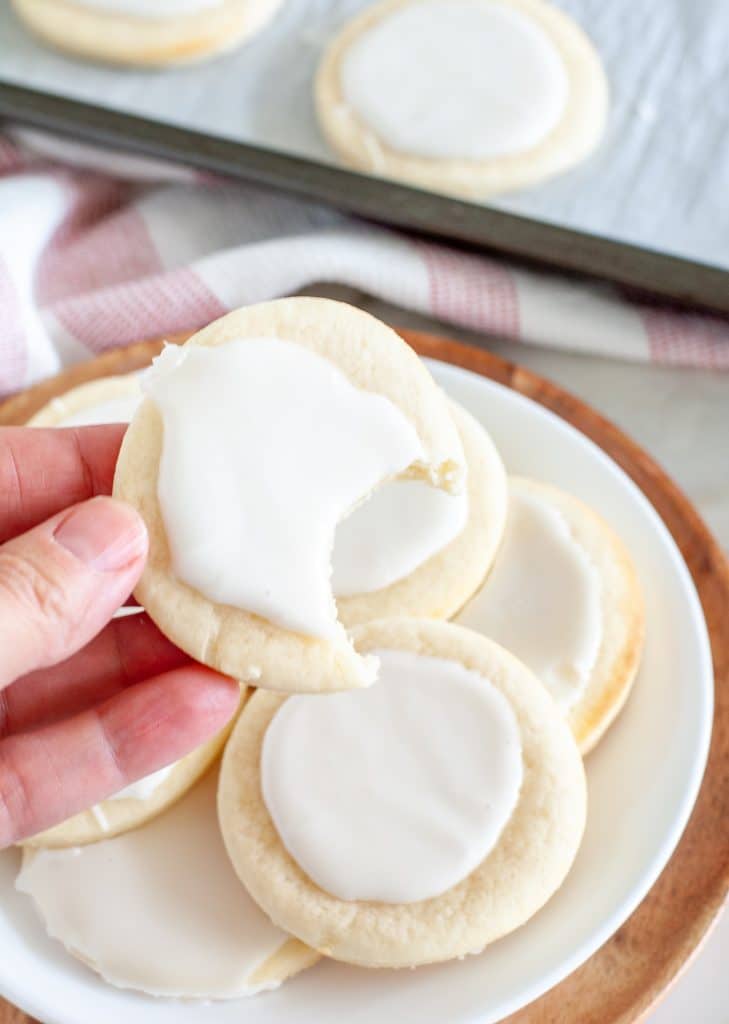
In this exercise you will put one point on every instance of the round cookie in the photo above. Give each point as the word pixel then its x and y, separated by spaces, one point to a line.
pixel 107 400
pixel 610 668
pixel 230 639
pixel 124 32
pixel 413 138
pixel 444 582
pixel 182 925
pixel 528 862
pixel 118 815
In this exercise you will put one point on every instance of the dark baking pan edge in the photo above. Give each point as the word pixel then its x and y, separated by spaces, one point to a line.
pixel 670 277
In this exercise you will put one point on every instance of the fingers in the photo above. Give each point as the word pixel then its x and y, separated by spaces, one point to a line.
pixel 61 582
pixel 126 652
pixel 45 471
pixel 52 773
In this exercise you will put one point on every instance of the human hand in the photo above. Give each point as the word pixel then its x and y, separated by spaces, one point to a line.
pixel 87 705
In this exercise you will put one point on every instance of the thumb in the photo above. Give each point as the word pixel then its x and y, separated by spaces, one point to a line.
pixel 63 580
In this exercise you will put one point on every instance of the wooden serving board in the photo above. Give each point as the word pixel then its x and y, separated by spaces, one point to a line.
pixel 629 974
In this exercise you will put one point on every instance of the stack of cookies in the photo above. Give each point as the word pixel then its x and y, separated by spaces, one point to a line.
pixel 426 648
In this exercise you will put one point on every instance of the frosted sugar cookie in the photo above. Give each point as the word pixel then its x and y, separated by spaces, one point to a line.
pixel 257 437
pixel 471 97
pixel 414 821
pixel 411 549
pixel 563 596
pixel 160 909
pixel 107 400
pixel 151 32
pixel 135 804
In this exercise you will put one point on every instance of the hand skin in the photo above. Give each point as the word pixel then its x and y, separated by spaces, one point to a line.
pixel 87 705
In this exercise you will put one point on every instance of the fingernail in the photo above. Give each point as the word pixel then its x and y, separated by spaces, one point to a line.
pixel 104 534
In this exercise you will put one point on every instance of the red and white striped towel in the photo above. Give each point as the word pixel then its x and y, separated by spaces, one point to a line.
pixel 90 261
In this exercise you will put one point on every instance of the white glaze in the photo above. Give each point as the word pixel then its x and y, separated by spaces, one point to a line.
pixel 151 9
pixel 143 788
pixel 397 792
pixel 401 525
pixel 116 410
pixel 266 447
pixel 542 598
pixel 159 908
pixel 456 79
pixel 101 819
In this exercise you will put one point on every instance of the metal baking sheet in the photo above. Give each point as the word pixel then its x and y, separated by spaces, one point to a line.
pixel 648 209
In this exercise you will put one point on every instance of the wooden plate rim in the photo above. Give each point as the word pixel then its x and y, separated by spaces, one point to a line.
pixel 626 977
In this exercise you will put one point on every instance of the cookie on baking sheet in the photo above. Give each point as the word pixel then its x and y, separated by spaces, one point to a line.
pixel 138 803
pixel 468 97
pixel 106 400
pixel 259 435
pixel 411 822
pixel 145 32
pixel 564 596
pixel 160 909
pixel 411 549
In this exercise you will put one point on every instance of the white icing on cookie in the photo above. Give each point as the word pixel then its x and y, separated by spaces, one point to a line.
pixel 158 909
pixel 400 526
pixel 456 80
pixel 266 447
pixel 397 792
pixel 143 788
pixel 115 410
pixel 542 598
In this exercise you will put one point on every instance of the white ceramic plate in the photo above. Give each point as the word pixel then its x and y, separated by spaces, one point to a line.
pixel 643 780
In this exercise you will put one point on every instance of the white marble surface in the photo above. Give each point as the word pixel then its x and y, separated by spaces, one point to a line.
pixel 682 418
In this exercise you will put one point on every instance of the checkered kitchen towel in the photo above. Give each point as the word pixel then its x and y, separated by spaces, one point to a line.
pixel 91 260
